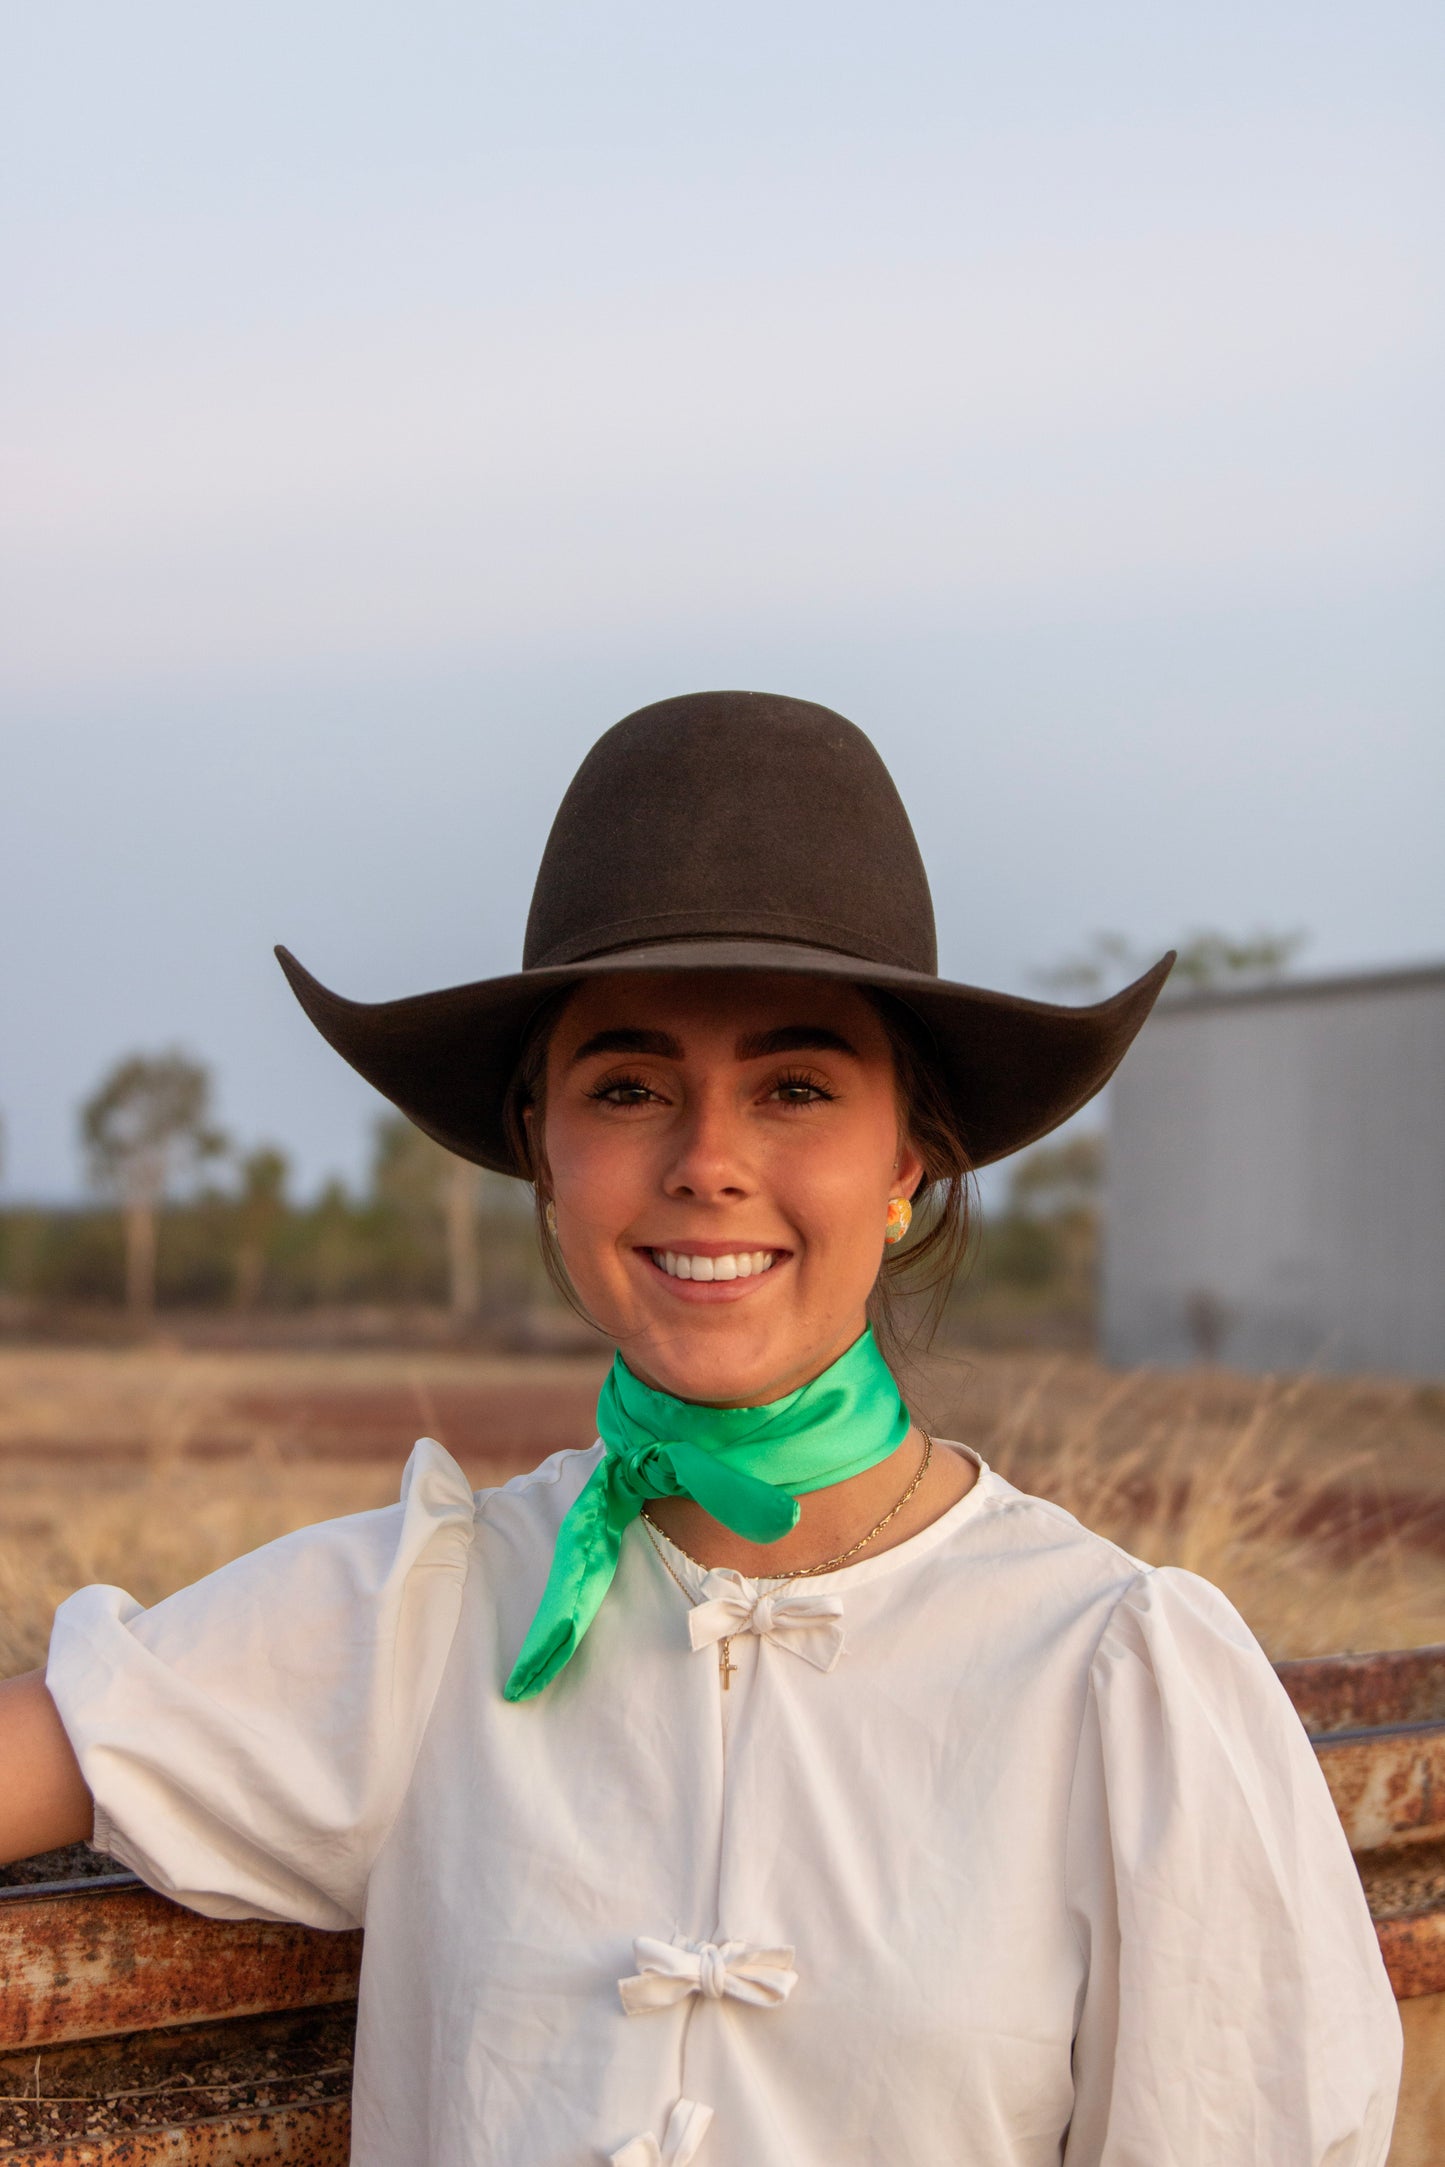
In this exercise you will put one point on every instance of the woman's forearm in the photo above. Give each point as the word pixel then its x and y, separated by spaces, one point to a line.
pixel 44 1800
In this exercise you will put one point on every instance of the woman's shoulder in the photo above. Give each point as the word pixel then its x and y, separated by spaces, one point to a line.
pixel 537 1499
pixel 247 1739
pixel 1024 1531
pixel 439 1520
pixel 1131 1603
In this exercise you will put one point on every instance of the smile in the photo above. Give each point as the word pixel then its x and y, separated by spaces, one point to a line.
pixel 741 1264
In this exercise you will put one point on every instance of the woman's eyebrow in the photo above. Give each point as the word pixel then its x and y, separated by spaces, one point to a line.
pixel 755 1046
pixel 793 1038
pixel 626 1039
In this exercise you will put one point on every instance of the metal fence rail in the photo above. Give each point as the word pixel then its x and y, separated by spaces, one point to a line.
pixel 1377 1723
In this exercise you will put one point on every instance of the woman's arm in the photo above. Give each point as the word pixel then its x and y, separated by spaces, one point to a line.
pixel 248 1741
pixel 44 1801
pixel 1236 2008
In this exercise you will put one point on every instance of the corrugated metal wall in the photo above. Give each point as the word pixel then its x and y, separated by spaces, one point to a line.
pixel 1276 1185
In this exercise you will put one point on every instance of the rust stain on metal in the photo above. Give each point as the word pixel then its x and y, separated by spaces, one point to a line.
pixel 140 2082
pixel 83 1966
pixel 1388 1786
pixel 1405 1886
pixel 1367 1692
pixel 1414 1953
pixel 310 2136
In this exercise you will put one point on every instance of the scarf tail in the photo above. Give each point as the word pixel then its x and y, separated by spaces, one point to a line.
pixel 584 1563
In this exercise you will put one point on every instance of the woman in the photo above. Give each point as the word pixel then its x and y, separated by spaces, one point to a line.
pixel 768 1782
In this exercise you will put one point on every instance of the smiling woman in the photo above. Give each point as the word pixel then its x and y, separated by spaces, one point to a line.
pixel 765 1776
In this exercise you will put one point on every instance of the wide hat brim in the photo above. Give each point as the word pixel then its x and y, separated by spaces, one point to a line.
pixel 1014 1068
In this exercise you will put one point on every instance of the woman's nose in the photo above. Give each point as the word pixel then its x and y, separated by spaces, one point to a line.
pixel 709 1154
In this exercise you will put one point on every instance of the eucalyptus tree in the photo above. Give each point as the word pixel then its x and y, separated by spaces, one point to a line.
pixel 1205 959
pixel 261 1207
pixel 147 1127
pixel 438 1195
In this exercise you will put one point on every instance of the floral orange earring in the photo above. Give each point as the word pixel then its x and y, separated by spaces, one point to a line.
pixel 900 1218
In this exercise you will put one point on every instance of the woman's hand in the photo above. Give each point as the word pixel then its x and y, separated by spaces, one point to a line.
pixel 44 1799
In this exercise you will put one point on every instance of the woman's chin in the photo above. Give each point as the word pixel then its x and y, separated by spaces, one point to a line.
pixel 721 1358
pixel 767 1339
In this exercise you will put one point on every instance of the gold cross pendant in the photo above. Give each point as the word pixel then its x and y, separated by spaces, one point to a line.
pixel 726 1665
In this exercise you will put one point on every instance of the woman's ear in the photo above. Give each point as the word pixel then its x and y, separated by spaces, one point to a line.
pixel 908 1169
pixel 535 1136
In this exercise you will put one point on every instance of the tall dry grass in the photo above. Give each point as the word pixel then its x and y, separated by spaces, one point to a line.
pixel 153 1530
pixel 1317 1505
pixel 1322 1550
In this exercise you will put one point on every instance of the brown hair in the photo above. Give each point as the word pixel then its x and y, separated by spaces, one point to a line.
pixel 918 1274
pixel 915 1277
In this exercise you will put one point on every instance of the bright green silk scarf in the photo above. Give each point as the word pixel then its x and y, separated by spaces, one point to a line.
pixel 846 1420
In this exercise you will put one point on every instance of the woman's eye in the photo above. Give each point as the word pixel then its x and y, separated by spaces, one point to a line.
pixel 622 1091
pixel 801 1091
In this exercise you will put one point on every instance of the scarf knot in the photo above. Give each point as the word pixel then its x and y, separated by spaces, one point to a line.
pixel 644 1471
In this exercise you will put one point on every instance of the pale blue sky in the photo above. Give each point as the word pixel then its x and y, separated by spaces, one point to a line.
pixel 394 397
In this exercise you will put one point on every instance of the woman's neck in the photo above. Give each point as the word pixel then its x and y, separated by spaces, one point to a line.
pixel 830 1521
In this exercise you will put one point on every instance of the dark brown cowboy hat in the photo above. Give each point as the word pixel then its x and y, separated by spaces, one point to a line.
pixel 731 831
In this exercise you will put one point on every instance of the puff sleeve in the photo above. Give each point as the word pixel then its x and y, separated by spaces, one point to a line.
pixel 1236 2012
pixel 249 1740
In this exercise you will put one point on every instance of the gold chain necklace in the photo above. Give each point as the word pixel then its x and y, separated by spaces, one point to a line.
pixel 726 1666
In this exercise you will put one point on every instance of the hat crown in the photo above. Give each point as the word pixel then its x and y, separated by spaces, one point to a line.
pixel 732 815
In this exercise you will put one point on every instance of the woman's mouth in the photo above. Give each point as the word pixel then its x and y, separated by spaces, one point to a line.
pixel 733 1264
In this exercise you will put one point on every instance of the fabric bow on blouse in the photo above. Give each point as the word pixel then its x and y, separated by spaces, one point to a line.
pixel 805 1621
pixel 687 2125
pixel 668 1971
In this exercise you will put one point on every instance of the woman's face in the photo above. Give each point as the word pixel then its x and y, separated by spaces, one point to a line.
pixel 722 1149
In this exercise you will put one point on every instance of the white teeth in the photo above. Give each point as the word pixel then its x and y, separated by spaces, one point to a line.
pixel 746 1264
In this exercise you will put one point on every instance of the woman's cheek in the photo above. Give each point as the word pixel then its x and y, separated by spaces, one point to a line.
pixel 599 1198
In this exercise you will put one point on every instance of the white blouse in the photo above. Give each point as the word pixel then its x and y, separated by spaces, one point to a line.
pixel 998 1848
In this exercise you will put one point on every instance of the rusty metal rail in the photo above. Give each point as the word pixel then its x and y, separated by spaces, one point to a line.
pixel 1335 1693
pixel 259 2088
pixel 77 1965
pixel 1377 1723
pixel 134 2033
pixel 273 2137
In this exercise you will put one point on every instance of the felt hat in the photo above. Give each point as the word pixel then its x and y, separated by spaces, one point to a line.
pixel 728 831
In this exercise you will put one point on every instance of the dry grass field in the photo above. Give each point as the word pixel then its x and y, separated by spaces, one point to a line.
pixel 1317 1504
